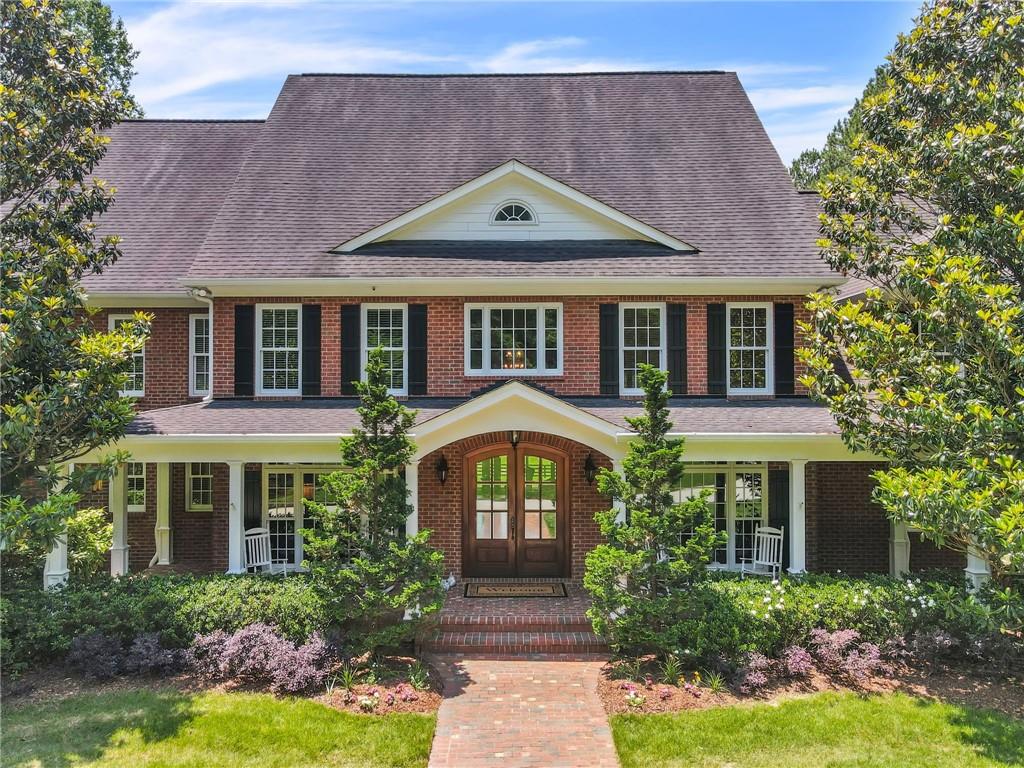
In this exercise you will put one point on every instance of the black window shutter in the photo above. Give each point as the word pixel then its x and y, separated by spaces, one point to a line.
pixel 252 500
pixel 717 367
pixel 310 349
pixel 784 358
pixel 417 349
pixel 245 352
pixel 778 507
pixel 351 355
pixel 609 342
pixel 677 348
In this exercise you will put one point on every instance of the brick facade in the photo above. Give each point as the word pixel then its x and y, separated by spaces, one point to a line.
pixel 441 507
pixel 924 555
pixel 446 341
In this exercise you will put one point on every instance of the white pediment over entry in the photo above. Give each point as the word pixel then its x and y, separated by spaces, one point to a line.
pixel 558 212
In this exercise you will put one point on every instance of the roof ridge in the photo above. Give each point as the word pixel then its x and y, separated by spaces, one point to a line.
pixel 192 120
pixel 519 74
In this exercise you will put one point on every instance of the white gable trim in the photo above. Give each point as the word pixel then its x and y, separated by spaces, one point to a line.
pixel 514 166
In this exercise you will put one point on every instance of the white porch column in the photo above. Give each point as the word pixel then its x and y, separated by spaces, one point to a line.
pixel 117 499
pixel 163 513
pixel 797 517
pixel 55 570
pixel 412 482
pixel 899 549
pixel 977 569
pixel 236 519
pixel 619 505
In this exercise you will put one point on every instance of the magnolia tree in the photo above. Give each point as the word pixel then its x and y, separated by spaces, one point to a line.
pixel 371 574
pixel 61 379
pixel 658 544
pixel 931 210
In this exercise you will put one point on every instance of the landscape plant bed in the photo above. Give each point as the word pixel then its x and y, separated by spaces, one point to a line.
pixel 956 685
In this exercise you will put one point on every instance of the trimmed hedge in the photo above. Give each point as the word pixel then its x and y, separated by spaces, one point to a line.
pixel 39 626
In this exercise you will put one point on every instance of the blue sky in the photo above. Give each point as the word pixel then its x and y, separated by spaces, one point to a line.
pixel 803 63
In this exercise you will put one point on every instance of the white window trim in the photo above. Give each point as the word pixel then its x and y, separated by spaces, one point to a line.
pixel 189 506
pixel 192 390
pixel 730 471
pixel 622 345
pixel 260 390
pixel 112 321
pixel 769 378
pixel 365 350
pixel 297 471
pixel 136 507
pixel 533 215
pixel 487 371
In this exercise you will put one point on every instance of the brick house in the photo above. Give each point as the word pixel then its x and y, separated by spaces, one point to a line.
pixel 517 245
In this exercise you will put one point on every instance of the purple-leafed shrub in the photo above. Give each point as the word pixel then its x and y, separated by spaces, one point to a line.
pixel 796 662
pixel 146 656
pixel 206 654
pixel 96 655
pixel 933 645
pixel 299 668
pixel 756 673
pixel 254 651
pixel 830 648
pixel 863 661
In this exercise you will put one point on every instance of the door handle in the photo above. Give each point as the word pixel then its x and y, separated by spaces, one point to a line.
pixel 511 526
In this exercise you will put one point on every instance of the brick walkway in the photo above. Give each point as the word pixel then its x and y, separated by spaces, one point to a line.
pixel 521 712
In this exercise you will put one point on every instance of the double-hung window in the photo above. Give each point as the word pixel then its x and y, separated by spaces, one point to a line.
pixel 198 355
pixel 385 326
pixel 199 486
pixel 135 486
pixel 749 334
pixel 513 339
pixel 278 335
pixel 285 488
pixel 135 386
pixel 642 329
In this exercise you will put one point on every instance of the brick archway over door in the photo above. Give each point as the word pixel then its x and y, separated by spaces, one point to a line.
pixel 440 507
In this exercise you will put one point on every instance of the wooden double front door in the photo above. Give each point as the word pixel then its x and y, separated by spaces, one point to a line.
pixel 515 518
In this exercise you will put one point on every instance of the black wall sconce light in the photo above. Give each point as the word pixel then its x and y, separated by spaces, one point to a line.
pixel 589 469
pixel 441 469
pixel 514 438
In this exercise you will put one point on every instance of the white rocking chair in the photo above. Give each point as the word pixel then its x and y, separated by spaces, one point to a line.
pixel 767 553
pixel 257 552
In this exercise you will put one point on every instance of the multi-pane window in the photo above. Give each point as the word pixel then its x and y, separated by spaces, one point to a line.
pixel 199 354
pixel 694 484
pixel 135 486
pixel 513 213
pixel 749 334
pixel 749 513
pixel 643 341
pixel 513 339
pixel 313 489
pixel 492 498
pixel 199 486
pixel 385 327
pixel 281 520
pixel 540 497
pixel 278 336
pixel 135 386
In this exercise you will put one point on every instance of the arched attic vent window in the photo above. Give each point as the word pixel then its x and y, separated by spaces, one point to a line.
pixel 513 213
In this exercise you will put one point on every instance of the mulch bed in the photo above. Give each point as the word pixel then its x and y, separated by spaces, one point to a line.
pixel 394 694
pixel 967 687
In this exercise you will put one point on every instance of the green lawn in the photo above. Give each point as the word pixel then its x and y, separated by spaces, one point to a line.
pixel 142 728
pixel 823 731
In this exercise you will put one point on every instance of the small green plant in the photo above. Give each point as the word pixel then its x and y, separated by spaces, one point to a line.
pixel 629 669
pixel 671 670
pixel 347 677
pixel 714 682
pixel 419 677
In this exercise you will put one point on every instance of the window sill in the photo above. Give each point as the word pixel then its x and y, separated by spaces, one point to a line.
pixel 514 375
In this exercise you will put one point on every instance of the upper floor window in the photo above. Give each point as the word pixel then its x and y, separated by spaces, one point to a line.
pixel 385 327
pixel 514 339
pixel 135 486
pixel 278 334
pixel 643 341
pixel 749 331
pixel 513 213
pixel 199 355
pixel 135 386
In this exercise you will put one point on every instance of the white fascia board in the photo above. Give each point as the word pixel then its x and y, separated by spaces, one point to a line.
pixel 141 299
pixel 515 166
pixel 513 286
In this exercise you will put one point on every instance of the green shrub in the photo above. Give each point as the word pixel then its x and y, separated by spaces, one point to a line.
pixel 39 626
pixel 90 535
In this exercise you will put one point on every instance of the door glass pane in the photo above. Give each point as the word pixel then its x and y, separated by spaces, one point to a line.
pixel 492 498
pixel 281 516
pixel 749 512
pixel 540 497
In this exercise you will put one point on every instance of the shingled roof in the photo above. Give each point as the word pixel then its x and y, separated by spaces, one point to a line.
pixel 683 152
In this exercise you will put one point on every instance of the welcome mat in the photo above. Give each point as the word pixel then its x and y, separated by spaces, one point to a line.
pixel 494 589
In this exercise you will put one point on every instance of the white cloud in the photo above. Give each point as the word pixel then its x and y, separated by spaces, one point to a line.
pixel 767 99
pixel 535 56
pixel 792 133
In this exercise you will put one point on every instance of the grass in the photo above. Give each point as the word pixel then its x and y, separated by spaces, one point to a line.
pixel 824 731
pixel 141 728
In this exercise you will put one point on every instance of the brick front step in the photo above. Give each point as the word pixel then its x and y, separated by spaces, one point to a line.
pixel 526 642
pixel 526 623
